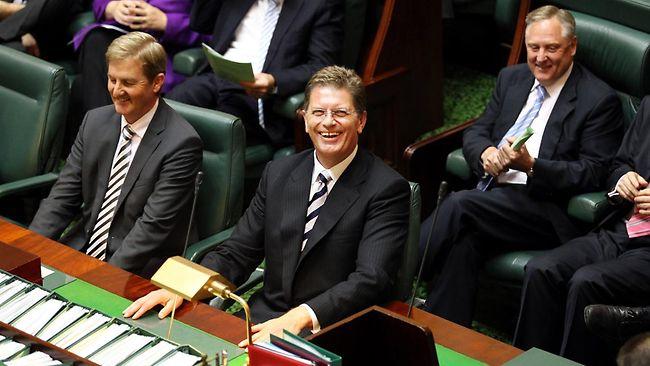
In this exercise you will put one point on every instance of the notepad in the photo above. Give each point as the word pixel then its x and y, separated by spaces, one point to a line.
pixel 179 358
pixel 151 355
pixel 34 359
pixel 121 349
pixel 35 319
pixel 61 321
pixel 21 303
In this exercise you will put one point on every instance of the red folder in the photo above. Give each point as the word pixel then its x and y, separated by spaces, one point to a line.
pixel 260 356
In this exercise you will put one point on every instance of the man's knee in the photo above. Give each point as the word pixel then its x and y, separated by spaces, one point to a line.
pixel 585 281
pixel 541 269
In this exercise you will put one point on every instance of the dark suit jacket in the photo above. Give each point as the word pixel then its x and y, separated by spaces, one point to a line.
pixel 151 216
pixel 580 139
pixel 634 153
pixel 350 262
pixel 307 37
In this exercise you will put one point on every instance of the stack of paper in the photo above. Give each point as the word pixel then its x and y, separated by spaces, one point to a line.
pixel 99 339
pixel 150 356
pixel 9 348
pixel 34 359
pixel 9 290
pixel 4 277
pixel 120 350
pixel 179 358
pixel 18 305
pixel 79 330
pixel 35 319
pixel 65 318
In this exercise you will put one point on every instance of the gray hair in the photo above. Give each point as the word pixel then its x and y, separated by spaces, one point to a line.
pixel 566 19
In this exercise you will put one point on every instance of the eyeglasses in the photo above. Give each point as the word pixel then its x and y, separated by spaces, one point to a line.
pixel 319 114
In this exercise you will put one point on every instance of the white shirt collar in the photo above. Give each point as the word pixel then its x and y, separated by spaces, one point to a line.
pixel 140 126
pixel 336 171
pixel 554 89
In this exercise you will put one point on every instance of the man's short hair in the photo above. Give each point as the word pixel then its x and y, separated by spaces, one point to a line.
pixel 340 78
pixel 635 352
pixel 141 46
pixel 565 18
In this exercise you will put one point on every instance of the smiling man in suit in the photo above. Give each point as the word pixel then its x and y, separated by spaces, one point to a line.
pixel 330 222
pixel 287 41
pixel 131 170
pixel 522 195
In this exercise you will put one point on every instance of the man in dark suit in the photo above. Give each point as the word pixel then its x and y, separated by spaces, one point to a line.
pixel 577 122
pixel 611 266
pixel 131 169
pixel 287 41
pixel 327 256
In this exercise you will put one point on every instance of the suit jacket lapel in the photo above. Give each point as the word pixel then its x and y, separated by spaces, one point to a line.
pixel 148 145
pixel 519 97
pixel 339 200
pixel 289 11
pixel 232 19
pixel 292 225
pixel 564 105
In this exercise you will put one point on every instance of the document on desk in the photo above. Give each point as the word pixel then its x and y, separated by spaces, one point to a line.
pixel 9 348
pixel 79 330
pixel 61 321
pixel 99 339
pixel 35 319
pixel 18 305
pixel 227 69
pixel 179 358
pixel 151 355
pixel 34 359
pixel 10 289
pixel 119 351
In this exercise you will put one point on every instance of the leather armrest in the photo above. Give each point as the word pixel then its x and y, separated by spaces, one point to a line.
pixel 287 108
pixel 189 61
pixel 197 250
pixel 38 181
pixel 589 207
pixel 457 165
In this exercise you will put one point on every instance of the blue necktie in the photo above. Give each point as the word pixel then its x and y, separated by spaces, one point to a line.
pixel 268 27
pixel 517 128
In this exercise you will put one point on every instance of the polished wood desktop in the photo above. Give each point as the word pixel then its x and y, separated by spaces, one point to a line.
pixel 219 323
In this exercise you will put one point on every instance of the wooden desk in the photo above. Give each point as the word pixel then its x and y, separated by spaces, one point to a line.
pixel 221 324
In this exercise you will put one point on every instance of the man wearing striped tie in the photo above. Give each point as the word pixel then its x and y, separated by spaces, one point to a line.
pixel 521 198
pixel 330 222
pixel 131 170
pixel 611 266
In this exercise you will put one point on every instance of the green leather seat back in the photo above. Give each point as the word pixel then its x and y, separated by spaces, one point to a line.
pixel 409 265
pixel 33 106
pixel 632 13
pixel 220 200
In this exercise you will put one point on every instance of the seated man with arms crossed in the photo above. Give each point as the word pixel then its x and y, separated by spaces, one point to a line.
pixel 611 266
pixel 131 170
pixel 330 222
pixel 522 199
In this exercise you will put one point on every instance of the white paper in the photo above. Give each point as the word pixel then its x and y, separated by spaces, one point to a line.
pixel 34 359
pixel 179 358
pixel 120 350
pixel 79 330
pixel 99 339
pixel 150 356
pixel 9 348
pixel 35 319
pixel 59 323
pixel 15 307
pixel 11 289
pixel 45 271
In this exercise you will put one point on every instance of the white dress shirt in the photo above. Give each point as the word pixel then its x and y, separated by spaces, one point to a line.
pixel 335 172
pixel 538 125
pixel 139 128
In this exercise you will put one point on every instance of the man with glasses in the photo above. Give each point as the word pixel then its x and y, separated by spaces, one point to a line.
pixel 330 222
pixel 522 194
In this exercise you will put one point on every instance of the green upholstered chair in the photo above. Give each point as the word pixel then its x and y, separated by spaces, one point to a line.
pixel 33 105
pixel 220 200
pixel 619 55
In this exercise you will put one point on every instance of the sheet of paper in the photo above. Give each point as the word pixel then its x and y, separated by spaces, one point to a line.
pixel 11 289
pixel 9 348
pixel 179 358
pixel 15 307
pixel 34 359
pixel 99 339
pixel 151 355
pixel 45 271
pixel 79 330
pixel 227 69
pixel 120 350
pixel 35 319
pixel 67 317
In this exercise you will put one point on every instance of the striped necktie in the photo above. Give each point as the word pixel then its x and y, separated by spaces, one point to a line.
pixel 518 128
pixel 99 238
pixel 268 27
pixel 315 203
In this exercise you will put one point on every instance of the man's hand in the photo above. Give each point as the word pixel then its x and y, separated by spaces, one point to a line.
pixel 629 185
pixel 30 44
pixel 294 321
pixel 263 85
pixel 158 297
pixel 642 202
pixel 518 160
pixel 491 163
pixel 147 16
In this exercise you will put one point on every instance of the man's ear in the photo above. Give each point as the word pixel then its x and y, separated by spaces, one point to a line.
pixel 362 122
pixel 302 113
pixel 158 82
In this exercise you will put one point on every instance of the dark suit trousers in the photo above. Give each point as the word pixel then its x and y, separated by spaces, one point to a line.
pixel 599 268
pixel 471 224
pixel 208 91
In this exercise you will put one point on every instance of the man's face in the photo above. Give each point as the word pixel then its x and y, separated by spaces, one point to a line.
pixel 132 93
pixel 549 53
pixel 333 124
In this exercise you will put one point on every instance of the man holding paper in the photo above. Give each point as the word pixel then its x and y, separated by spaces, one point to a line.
pixel 522 194
pixel 286 41
pixel 608 267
